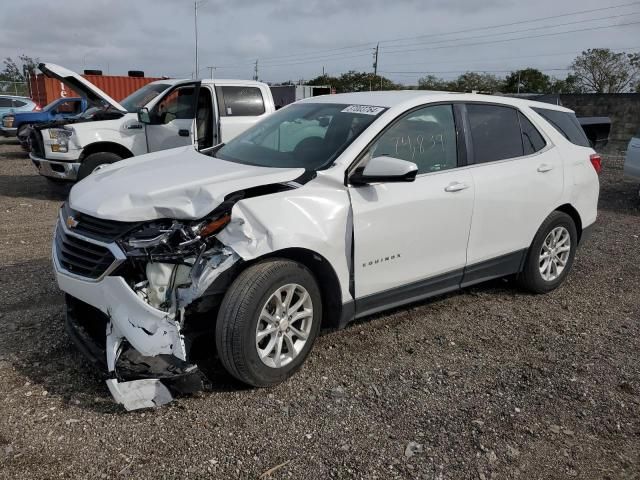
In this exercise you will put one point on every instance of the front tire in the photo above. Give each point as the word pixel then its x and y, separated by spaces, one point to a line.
pixel 268 321
pixel 93 161
pixel 551 254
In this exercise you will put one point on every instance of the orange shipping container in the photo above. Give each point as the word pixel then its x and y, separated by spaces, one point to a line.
pixel 45 90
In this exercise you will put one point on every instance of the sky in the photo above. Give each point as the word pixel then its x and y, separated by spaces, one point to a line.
pixel 297 39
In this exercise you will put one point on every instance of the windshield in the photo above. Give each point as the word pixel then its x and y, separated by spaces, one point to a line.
pixel 306 135
pixel 142 96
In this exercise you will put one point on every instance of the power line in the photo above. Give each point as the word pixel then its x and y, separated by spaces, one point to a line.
pixel 517 31
pixel 390 52
pixel 557 54
pixel 516 38
pixel 399 39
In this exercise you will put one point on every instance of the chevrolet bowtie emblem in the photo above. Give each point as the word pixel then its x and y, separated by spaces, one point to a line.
pixel 71 222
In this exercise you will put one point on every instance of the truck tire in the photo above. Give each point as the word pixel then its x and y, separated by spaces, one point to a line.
pixel 23 132
pixel 93 161
pixel 551 254
pixel 268 321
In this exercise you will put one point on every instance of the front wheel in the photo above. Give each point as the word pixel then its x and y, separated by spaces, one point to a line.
pixel 551 254
pixel 92 162
pixel 268 322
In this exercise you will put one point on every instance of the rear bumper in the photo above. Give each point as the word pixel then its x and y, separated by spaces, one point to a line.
pixel 632 164
pixel 53 169
pixel 8 132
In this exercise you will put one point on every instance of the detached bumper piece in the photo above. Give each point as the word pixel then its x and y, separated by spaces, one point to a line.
pixel 139 394
pixel 142 382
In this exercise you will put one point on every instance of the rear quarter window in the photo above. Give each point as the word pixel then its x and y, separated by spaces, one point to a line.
pixel 532 140
pixel 566 123
pixel 19 103
pixel 240 101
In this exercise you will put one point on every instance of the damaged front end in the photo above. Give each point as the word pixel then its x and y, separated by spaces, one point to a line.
pixel 131 289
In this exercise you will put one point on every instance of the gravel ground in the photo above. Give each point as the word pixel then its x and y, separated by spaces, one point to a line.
pixel 487 383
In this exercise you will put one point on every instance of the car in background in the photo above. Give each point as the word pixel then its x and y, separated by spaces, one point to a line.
pixel 15 103
pixel 632 160
pixel 19 123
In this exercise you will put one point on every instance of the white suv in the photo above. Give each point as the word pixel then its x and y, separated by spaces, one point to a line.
pixel 331 209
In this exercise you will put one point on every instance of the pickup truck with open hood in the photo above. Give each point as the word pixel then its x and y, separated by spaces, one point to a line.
pixel 161 115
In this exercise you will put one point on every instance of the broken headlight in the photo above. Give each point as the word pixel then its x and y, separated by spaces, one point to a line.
pixel 165 240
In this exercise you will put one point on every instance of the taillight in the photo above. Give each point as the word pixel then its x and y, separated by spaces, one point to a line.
pixel 596 161
pixel 37 108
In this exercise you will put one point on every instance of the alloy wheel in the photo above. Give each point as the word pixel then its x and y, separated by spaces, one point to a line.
pixel 554 253
pixel 284 325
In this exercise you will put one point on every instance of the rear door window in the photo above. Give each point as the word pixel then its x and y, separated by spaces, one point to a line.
pixel 566 123
pixel 240 101
pixel 19 103
pixel 532 140
pixel 495 132
pixel 5 102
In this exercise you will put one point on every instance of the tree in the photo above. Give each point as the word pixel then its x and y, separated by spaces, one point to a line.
pixel 530 80
pixel 568 85
pixel 353 81
pixel 481 82
pixel 18 71
pixel 431 82
pixel 600 70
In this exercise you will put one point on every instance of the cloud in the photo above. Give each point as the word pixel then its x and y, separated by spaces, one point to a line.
pixel 292 38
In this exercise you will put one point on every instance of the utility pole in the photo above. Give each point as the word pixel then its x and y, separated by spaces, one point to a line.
pixel 211 69
pixel 255 71
pixel 375 63
pixel 195 20
pixel 196 4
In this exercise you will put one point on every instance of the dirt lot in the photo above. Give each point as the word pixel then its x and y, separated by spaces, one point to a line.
pixel 489 383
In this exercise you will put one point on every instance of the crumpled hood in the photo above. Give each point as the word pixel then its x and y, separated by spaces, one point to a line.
pixel 179 183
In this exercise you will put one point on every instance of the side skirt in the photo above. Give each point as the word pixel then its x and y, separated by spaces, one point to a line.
pixel 480 272
pixel 494 268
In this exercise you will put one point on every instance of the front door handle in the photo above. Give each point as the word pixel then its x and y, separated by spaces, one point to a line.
pixel 183 132
pixel 455 187
pixel 545 168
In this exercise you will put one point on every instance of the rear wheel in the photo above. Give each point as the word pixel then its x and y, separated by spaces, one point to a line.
pixel 95 160
pixel 268 322
pixel 551 254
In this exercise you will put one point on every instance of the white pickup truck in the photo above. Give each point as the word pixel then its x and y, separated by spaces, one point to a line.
pixel 161 115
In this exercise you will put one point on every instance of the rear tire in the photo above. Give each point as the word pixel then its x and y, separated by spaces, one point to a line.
pixel 93 161
pixel 258 338
pixel 551 254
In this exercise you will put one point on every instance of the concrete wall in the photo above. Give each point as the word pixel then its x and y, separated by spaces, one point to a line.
pixel 622 108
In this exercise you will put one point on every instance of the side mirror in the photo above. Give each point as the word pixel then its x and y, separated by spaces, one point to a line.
pixel 144 116
pixel 384 170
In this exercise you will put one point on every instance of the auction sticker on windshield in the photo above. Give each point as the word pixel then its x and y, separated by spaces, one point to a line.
pixel 364 109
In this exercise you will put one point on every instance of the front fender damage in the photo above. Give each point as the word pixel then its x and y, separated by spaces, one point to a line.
pixel 316 218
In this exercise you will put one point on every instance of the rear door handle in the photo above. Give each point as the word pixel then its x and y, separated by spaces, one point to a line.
pixel 545 168
pixel 183 132
pixel 455 187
